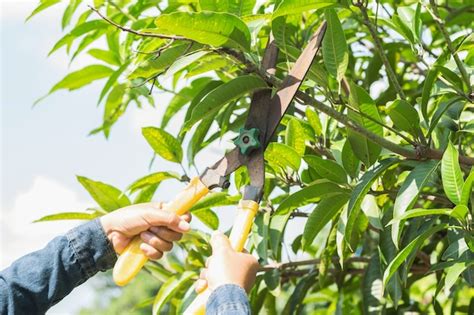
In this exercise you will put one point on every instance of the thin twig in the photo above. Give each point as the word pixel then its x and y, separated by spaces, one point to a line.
pixel 294 264
pixel 435 14
pixel 378 46
pixel 129 30
pixel 128 15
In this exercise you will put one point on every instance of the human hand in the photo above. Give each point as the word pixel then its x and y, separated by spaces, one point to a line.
pixel 157 228
pixel 226 266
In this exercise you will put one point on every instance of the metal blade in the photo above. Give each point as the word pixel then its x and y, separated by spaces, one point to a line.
pixel 216 175
pixel 290 85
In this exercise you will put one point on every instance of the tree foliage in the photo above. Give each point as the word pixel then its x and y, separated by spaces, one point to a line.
pixel 375 155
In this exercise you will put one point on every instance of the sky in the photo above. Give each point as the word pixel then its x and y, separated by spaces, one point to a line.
pixel 44 147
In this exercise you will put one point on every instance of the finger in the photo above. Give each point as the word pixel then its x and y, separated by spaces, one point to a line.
pixel 150 252
pixel 168 219
pixel 219 242
pixel 208 261
pixel 157 204
pixel 166 234
pixel 187 217
pixel 203 274
pixel 200 286
pixel 156 242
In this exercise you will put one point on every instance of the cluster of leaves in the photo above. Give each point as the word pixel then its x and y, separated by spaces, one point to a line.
pixel 388 215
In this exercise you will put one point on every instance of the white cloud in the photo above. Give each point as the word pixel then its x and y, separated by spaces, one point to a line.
pixel 20 235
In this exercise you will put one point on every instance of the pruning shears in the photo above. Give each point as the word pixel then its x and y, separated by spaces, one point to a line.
pixel 264 116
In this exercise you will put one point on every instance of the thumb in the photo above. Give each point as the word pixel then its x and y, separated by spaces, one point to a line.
pixel 219 242
pixel 167 219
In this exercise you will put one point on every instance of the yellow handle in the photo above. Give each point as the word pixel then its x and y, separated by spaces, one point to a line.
pixel 238 236
pixel 131 261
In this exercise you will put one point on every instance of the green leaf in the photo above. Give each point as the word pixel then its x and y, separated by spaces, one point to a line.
pixel 210 28
pixel 183 97
pixel 197 140
pixel 154 66
pixel 459 212
pixel 164 144
pixel 404 116
pixel 314 121
pixel 217 199
pixel 115 106
pixel 183 62
pixel 335 51
pixel 327 169
pixel 69 12
pixel 324 212
pixel 282 156
pixel 80 78
pixel 42 6
pixel 467 188
pixel 107 197
pixel 79 30
pixel 237 7
pixel 169 289
pixel 372 288
pixel 222 95
pixel 451 174
pixel 152 179
pixel 367 151
pixel 295 136
pixel 426 93
pixel 453 274
pixel 349 160
pixel 455 250
pixel 359 193
pixel 451 77
pixel 146 194
pixel 105 55
pixel 409 191
pixel 412 247
pixel 307 195
pixel 290 7
pixel 111 81
pixel 69 216
pixel 208 217
pixel 295 303
pixel 420 212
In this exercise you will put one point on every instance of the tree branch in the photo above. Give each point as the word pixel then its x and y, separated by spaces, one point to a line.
pixel 421 152
pixel 294 264
pixel 129 30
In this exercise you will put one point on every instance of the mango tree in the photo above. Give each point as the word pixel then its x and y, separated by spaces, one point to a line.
pixel 374 160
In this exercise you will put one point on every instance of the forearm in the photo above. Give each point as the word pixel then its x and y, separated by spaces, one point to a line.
pixel 228 299
pixel 37 281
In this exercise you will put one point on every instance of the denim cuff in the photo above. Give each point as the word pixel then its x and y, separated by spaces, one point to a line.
pixel 92 248
pixel 228 299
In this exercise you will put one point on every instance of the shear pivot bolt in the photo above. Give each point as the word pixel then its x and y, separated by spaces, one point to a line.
pixel 247 141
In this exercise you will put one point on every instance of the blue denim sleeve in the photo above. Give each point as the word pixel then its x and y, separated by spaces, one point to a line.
pixel 228 299
pixel 37 281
